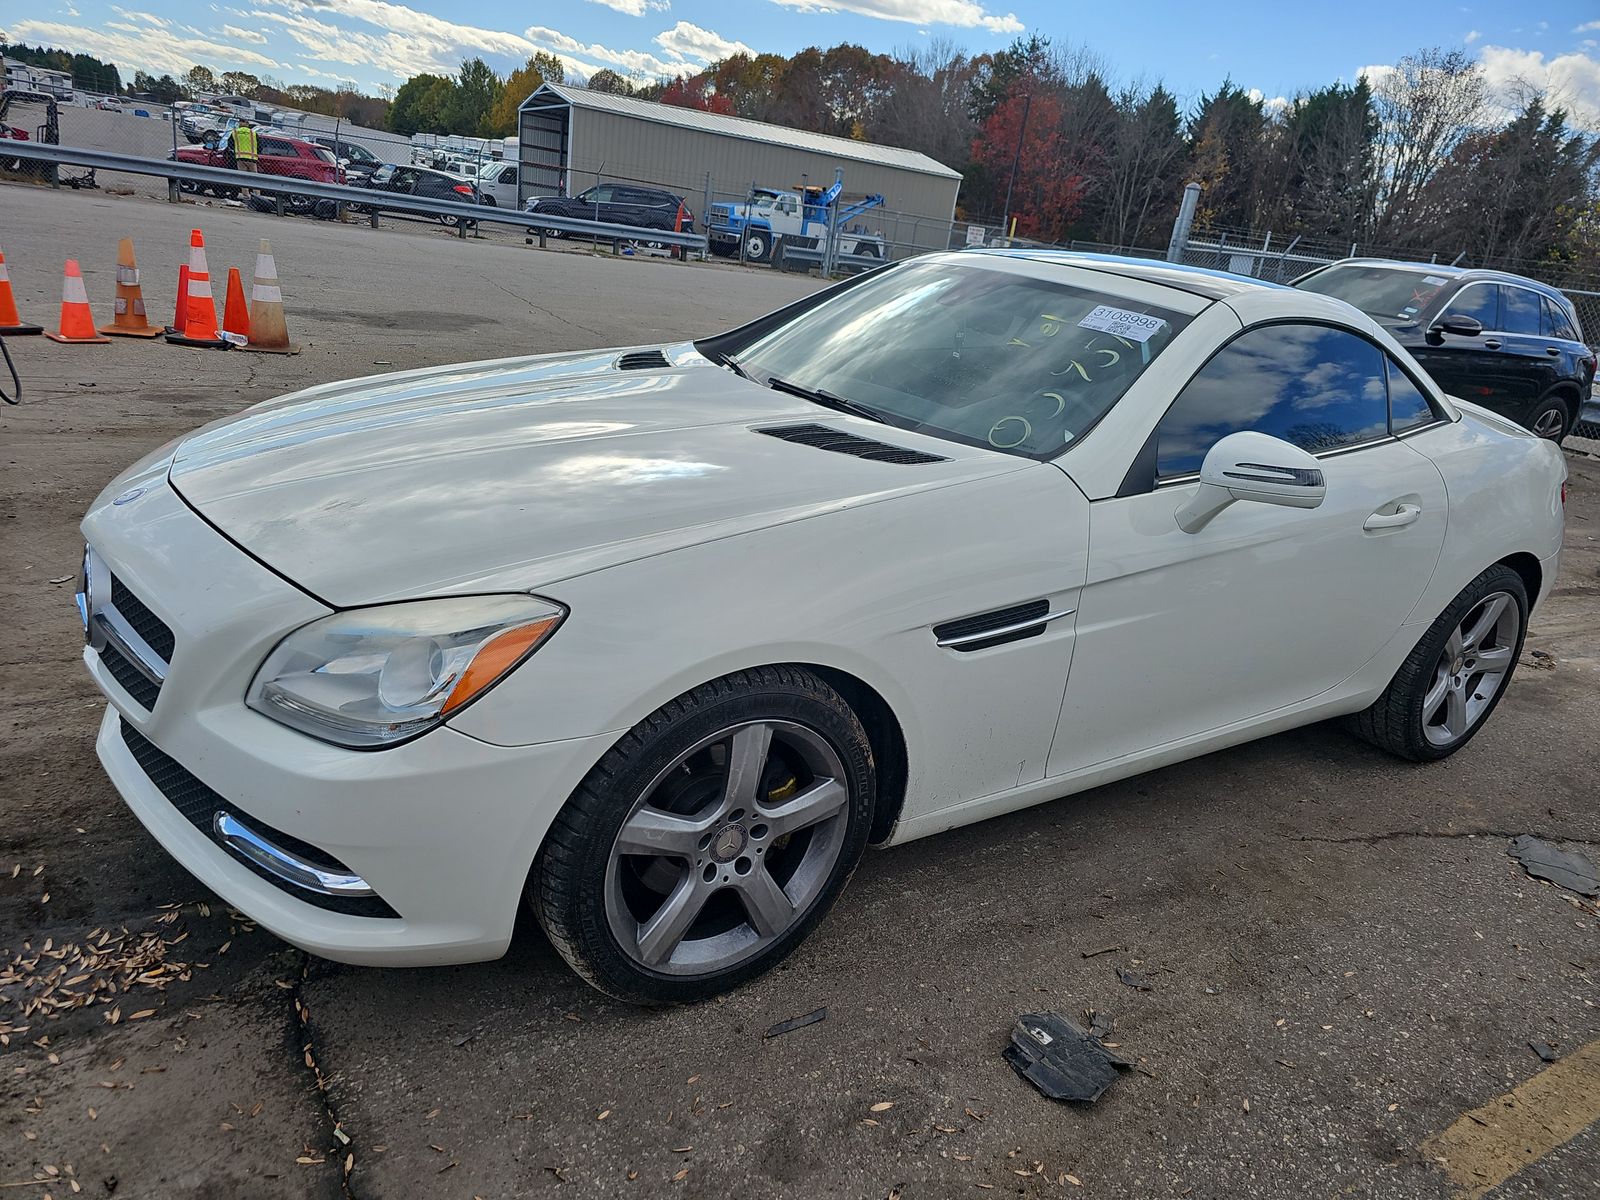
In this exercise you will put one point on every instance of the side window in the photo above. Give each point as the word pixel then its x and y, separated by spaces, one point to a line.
pixel 403 180
pixel 1408 407
pixel 279 147
pixel 1556 322
pixel 1316 387
pixel 509 175
pixel 603 194
pixel 1521 311
pixel 1481 301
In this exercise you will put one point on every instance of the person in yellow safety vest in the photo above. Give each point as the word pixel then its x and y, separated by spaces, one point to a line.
pixel 246 147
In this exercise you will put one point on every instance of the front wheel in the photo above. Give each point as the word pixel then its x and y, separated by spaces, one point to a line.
pixel 1451 682
pixel 710 840
pixel 756 247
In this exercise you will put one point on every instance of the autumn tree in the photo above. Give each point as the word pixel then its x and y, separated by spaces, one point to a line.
pixel 603 80
pixel 519 85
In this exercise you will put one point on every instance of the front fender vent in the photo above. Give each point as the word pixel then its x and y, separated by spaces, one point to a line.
pixel 1004 624
pixel 839 442
pixel 643 360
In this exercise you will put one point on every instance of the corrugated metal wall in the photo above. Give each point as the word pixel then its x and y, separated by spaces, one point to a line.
pixel 622 148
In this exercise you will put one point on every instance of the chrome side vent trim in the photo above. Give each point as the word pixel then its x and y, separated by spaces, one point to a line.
pixel 996 628
pixel 821 437
pixel 643 360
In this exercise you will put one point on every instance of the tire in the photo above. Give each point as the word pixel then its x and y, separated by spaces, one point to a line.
pixel 596 901
pixel 1398 721
pixel 1551 418
pixel 757 247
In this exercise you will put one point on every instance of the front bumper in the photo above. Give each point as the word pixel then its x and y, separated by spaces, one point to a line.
pixel 443 829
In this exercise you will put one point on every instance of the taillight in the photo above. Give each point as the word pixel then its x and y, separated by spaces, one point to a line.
pixel 463 189
pixel 1563 494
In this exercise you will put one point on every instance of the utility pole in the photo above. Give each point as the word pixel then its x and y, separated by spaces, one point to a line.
pixel 1005 217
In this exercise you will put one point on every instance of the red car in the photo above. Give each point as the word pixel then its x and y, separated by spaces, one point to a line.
pixel 280 155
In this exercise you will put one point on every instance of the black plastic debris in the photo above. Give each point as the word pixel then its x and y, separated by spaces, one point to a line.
pixel 1545 1050
pixel 1060 1059
pixel 793 1023
pixel 1561 867
pixel 1136 981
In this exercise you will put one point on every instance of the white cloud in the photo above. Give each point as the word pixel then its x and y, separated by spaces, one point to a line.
pixel 143 18
pixel 967 14
pixel 684 40
pixel 1472 36
pixel 1274 104
pixel 571 50
pixel 1587 27
pixel 1570 80
pixel 254 37
pixel 143 47
pixel 634 8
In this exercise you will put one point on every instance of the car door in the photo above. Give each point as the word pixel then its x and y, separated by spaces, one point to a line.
pixel 279 157
pixel 1471 367
pixel 1532 358
pixel 1180 634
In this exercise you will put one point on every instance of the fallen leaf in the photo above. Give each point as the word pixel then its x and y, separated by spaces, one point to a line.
pixel 1074 1181
pixel 603 1115
pixel 883 1106
pixel 681 1176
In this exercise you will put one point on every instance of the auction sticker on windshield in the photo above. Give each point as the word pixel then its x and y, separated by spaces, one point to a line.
pixel 1140 327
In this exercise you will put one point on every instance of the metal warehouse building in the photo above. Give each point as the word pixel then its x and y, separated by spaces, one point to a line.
pixel 570 138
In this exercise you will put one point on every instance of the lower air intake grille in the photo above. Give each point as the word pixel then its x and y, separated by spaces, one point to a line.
pixel 129 678
pixel 199 805
pixel 840 442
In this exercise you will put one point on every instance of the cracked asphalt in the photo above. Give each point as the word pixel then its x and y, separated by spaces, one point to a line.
pixel 1342 958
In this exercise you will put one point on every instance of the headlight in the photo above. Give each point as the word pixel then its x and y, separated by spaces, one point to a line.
pixel 376 676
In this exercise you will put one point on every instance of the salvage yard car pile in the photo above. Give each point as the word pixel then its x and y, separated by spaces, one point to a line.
pixel 1116 513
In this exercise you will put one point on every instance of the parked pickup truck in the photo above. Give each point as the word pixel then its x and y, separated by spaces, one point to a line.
pixel 762 222
pixel 281 156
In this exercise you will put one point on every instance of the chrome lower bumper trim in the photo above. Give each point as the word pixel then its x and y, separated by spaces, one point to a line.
pixel 249 844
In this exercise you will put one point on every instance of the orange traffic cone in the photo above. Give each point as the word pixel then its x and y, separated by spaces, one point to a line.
pixel 11 322
pixel 200 316
pixel 268 332
pixel 235 316
pixel 129 319
pixel 183 300
pixel 77 322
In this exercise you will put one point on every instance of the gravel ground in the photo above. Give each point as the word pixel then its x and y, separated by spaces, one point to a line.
pixel 1342 958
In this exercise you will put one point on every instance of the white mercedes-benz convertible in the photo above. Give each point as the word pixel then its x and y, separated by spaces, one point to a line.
pixel 661 639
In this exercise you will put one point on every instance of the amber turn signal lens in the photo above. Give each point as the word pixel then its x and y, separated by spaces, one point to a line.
pixel 499 654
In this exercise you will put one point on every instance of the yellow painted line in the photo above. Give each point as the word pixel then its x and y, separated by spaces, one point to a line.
pixel 1487 1146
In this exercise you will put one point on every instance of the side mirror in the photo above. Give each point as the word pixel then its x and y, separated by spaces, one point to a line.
pixel 1252 466
pixel 1459 324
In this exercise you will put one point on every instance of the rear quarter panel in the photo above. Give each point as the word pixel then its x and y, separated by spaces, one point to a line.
pixel 1504 492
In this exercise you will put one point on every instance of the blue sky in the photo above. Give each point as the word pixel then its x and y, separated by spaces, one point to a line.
pixel 1275 48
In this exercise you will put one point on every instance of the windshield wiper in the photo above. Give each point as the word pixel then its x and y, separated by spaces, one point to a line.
pixel 826 399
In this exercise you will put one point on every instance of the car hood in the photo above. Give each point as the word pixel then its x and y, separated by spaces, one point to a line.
pixel 517 473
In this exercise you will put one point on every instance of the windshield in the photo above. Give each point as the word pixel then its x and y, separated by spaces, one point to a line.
pixel 1392 293
pixel 972 354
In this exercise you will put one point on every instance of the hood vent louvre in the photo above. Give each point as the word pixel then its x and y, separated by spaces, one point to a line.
pixel 823 438
pixel 643 360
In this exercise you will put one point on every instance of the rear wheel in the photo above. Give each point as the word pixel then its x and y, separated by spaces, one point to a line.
pixel 1451 682
pixel 710 840
pixel 1551 419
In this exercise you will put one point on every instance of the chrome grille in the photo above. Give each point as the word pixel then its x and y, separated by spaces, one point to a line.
pixel 133 643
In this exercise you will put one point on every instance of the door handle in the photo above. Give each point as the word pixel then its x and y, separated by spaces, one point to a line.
pixel 1492 344
pixel 1552 351
pixel 1403 514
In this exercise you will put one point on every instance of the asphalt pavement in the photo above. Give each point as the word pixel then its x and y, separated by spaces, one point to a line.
pixel 1344 967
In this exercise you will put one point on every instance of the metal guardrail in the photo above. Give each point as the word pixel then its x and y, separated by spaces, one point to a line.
pixel 339 193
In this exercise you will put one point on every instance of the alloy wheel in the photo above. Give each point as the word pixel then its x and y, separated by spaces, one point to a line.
pixel 1550 423
pixel 1472 668
pixel 727 848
